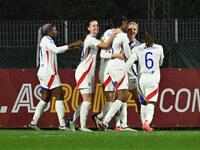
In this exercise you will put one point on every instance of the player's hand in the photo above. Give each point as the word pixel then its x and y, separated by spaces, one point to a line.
pixel 78 43
pixel 78 48
pixel 118 55
pixel 116 83
pixel 74 44
pixel 117 30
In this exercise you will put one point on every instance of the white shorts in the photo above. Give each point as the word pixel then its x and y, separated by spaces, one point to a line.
pixel 132 83
pixel 123 84
pixel 86 90
pixel 148 91
pixel 85 84
pixel 49 81
pixel 106 81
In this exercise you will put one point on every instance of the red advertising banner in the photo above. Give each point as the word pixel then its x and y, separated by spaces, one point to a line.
pixel 178 103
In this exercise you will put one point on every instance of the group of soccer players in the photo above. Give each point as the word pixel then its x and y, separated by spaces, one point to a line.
pixel 118 74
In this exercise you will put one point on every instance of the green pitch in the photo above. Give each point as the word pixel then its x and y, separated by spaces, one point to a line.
pixel 96 140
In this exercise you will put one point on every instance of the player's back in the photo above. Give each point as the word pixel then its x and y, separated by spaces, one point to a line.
pixel 149 62
pixel 120 45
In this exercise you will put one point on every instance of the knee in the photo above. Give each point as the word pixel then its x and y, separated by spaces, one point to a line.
pixel 60 96
pixel 46 98
pixel 123 97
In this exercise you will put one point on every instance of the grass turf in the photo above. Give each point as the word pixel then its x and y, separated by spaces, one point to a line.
pixel 58 140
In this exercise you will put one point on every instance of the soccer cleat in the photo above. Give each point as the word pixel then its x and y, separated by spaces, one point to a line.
pixel 96 120
pixel 85 129
pixel 34 127
pixel 127 129
pixel 70 124
pixel 118 128
pixel 63 128
pixel 146 127
pixel 102 126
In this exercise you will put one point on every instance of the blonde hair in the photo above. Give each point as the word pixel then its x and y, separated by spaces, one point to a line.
pixel 133 23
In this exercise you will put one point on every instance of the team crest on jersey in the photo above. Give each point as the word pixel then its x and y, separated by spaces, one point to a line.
pixel 89 83
pixel 132 46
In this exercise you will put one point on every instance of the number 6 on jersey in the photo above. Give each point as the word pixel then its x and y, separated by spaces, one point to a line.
pixel 148 61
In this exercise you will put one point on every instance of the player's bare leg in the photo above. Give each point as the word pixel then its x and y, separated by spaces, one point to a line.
pixel 136 97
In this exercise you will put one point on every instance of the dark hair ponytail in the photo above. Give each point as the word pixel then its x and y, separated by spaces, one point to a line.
pixel 148 39
pixel 117 20
pixel 44 30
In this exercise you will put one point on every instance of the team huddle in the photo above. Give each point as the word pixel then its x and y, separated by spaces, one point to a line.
pixel 126 66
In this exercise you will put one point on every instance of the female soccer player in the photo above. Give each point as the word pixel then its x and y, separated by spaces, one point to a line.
pixel 120 45
pixel 85 72
pixel 150 58
pixel 132 30
pixel 48 74
pixel 105 79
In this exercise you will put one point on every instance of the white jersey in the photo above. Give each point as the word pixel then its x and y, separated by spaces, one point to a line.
pixel 88 60
pixel 132 73
pixel 106 54
pixel 48 56
pixel 149 61
pixel 119 45
pixel 108 67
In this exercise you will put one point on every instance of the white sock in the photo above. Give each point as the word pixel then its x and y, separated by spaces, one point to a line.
pixel 60 109
pixel 149 112
pixel 123 115
pixel 117 121
pixel 76 113
pixel 113 109
pixel 84 113
pixel 104 110
pixel 38 112
pixel 143 113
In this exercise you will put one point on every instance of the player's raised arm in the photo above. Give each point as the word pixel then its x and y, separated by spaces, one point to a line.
pixel 127 65
pixel 62 49
pixel 126 47
pixel 75 45
pixel 110 40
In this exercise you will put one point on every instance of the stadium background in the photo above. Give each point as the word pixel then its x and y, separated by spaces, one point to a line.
pixel 175 25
